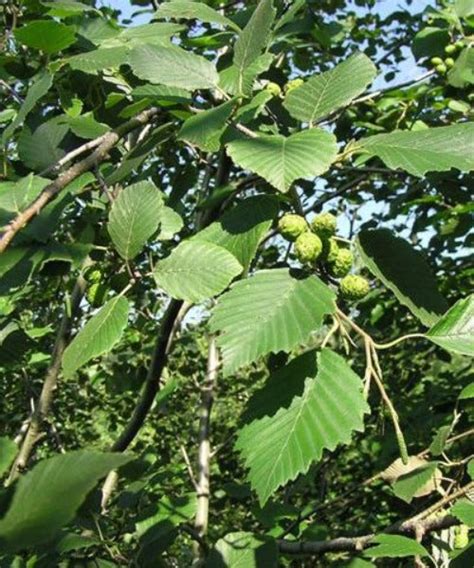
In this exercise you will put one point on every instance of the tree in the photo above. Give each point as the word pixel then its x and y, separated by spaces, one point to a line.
pixel 235 304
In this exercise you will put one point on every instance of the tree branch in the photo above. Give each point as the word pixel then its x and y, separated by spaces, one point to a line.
pixel 203 484
pixel 109 140
pixel 43 404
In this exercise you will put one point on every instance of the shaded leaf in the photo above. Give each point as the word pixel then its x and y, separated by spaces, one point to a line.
pixel 173 66
pixel 99 59
pixel 282 160
pixel 404 271
pixel 241 229
pixel 98 336
pixel 47 35
pixel 243 550
pixel 253 39
pixel 272 311
pixel 196 271
pixel 48 496
pixel 278 448
pixel 467 392
pixel 182 9
pixel 462 72
pixel 134 217
pixel 322 94
pixel 205 129
pixel 428 150
pixel 40 149
pixel 455 330
pixel 395 546
pixel 419 482
pixel 464 511
pixel 429 42
pixel 240 81
pixel 8 448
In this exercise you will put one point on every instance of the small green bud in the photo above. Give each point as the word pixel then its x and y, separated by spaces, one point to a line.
pixel 450 49
pixel 293 84
pixel 436 60
pixel 324 225
pixel 273 88
pixel 459 44
pixel 292 226
pixel 449 62
pixel 308 247
pixel 354 287
pixel 441 69
pixel 461 536
pixel 96 294
pixel 343 263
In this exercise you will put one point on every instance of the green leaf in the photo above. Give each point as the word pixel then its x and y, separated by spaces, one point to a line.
pixel 439 441
pixel 272 311
pixel 422 478
pixel 322 94
pixel 404 271
pixel 240 82
pixel 395 546
pixel 462 72
pixel 243 550
pixel 170 224
pixel 86 126
pixel 153 33
pixel 455 330
pixel 40 149
pixel 429 42
pixel 187 10
pixel 464 8
pixel 195 271
pixel 99 59
pixel 48 496
pixel 8 448
pixel 47 35
pixel 66 8
pixel 278 448
pixel 282 160
pixel 467 392
pixel 464 511
pixel 253 39
pixel 205 129
pixel 173 66
pixel 98 336
pixel 429 150
pixel 134 217
pixel 15 196
pixel 241 229
pixel 37 90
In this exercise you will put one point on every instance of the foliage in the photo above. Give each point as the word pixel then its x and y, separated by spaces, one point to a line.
pixel 236 311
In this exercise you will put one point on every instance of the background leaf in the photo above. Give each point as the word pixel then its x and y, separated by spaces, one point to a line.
pixel 8 448
pixel 195 271
pixel 243 550
pixel 395 546
pixel 180 9
pixel 455 330
pixel 429 150
pixel 271 311
pixel 322 94
pixel 47 497
pixel 278 448
pixel 98 336
pixel 404 271
pixel 134 217
pixel 173 66
pixel 47 35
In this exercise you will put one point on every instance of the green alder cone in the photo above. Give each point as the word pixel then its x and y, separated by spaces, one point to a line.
pixel 293 84
pixel 461 536
pixel 324 225
pixel 308 247
pixel 450 49
pixel 96 294
pixel 292 226
pixel 342 264
pixel 354 287
pixel 449 62
pixel 436 60
pixel 273 88
pixel 459 45
pixel 441 68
